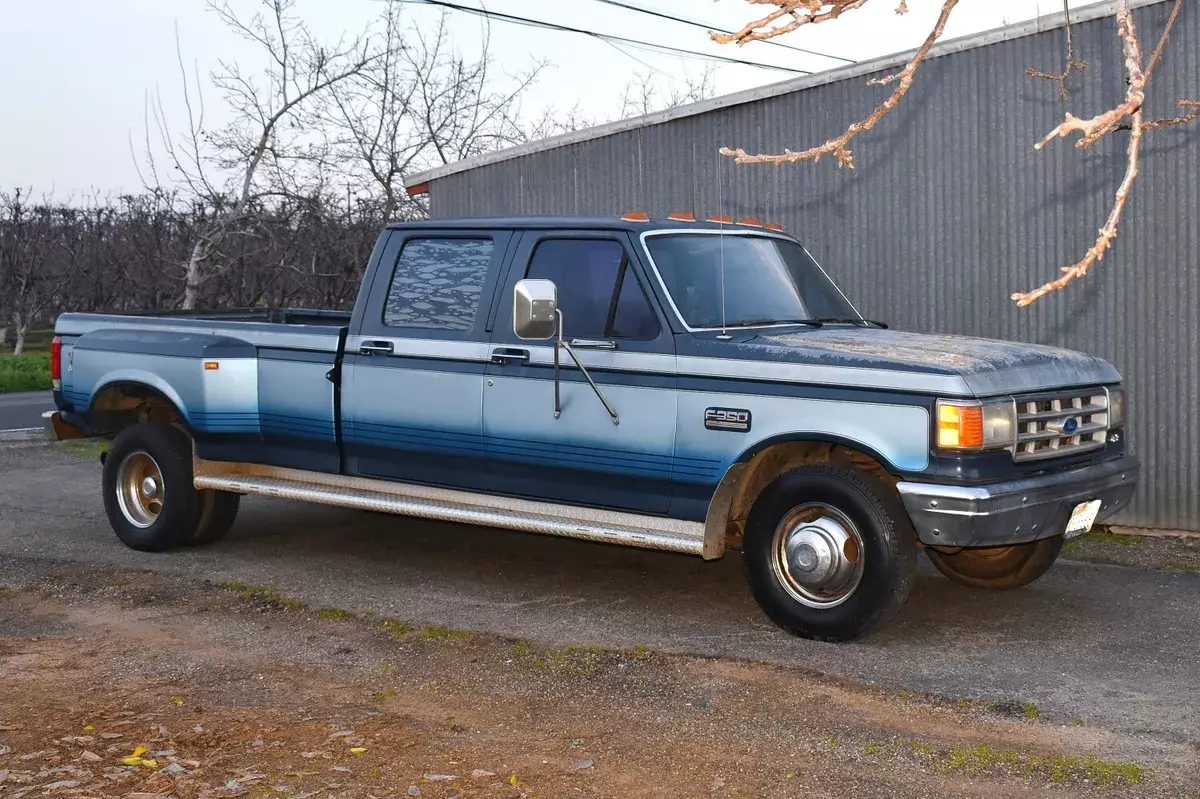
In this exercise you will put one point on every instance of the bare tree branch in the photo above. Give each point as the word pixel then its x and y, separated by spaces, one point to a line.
pixel 1073 65
pixel 839 144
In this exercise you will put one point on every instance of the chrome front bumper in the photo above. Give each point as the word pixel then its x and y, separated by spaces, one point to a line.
pixel 1016 511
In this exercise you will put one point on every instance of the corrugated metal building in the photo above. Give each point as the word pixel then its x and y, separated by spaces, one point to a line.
pixel 949 210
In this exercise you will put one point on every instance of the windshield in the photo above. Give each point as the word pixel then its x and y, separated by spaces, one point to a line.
pixel 767 280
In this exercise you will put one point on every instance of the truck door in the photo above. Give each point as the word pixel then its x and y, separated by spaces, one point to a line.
pixel 412 401
pixel 620 336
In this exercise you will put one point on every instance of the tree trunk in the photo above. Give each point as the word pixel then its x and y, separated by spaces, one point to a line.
pixel 3 337
pixel 191 280
pixel 22 325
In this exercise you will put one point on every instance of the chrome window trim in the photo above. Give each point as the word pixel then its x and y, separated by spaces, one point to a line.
pixel 732 232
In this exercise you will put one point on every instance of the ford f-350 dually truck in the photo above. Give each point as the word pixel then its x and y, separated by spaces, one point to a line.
pixel 676 385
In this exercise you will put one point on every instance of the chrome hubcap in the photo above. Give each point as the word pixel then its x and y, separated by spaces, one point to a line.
pixel 817 555
pixel 140 489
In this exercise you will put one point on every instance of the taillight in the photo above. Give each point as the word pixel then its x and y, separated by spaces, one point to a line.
pixel 56 362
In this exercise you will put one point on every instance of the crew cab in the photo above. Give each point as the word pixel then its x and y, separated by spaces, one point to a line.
pixel 676 385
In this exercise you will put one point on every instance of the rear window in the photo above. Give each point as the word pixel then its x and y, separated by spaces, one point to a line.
pixel 437 283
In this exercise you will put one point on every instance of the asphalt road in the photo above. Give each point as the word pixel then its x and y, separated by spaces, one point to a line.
pixel 1118 647
pixel 21 411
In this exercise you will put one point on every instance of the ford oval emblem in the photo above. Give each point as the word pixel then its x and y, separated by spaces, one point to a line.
pixel 1070 426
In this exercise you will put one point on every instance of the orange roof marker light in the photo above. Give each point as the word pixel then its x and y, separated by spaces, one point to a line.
pixel 725 220
pixel 773 226
pixel 750 221
pixel 680 216
pixel 636 216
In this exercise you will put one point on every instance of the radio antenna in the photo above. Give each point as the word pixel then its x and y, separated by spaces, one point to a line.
pixel 721 236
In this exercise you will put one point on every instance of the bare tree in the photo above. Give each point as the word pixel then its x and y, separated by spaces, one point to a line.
pixel 643 95
pixel 789 15
pixel 253 152
pixel 28 276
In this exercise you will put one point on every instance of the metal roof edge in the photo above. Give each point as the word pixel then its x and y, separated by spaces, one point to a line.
pixel 1017 30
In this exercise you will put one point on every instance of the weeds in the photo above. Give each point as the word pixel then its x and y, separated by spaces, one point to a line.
pixel 27 372
pixel 429 633
pixel 395 628
pixel 334 614
pixel 1031 711
pixel 268 595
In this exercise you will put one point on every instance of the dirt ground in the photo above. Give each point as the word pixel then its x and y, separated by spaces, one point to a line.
pixel 139 685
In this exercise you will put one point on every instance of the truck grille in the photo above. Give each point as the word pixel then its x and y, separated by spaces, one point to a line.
pixel 1059 425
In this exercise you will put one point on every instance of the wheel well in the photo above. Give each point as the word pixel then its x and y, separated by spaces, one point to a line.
pixel 745 481
pixel 121 405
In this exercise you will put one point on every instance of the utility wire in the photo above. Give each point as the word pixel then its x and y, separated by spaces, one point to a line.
pixel 696 24
pixel 607 37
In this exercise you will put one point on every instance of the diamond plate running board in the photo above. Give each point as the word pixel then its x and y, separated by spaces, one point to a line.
pixel 406 499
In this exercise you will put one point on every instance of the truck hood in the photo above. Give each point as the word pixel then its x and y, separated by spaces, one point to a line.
pixel 936 363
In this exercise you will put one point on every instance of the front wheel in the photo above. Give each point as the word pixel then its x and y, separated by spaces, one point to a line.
pixel 829 552
pixel 999 567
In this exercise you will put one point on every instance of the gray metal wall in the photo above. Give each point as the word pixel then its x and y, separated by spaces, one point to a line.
pixel 949 210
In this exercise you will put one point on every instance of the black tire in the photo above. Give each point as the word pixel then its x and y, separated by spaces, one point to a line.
pixel 999 568
pixel 218 510
pixel 888 552
pixel 179 507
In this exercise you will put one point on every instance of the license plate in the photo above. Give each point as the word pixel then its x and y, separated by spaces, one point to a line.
pixel 1082 518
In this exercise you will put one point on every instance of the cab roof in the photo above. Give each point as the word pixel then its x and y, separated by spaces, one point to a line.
pixel 572 222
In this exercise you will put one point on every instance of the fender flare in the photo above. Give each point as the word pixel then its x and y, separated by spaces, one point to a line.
pixel 717 516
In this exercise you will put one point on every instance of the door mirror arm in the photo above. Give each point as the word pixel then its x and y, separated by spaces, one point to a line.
pixel 562 344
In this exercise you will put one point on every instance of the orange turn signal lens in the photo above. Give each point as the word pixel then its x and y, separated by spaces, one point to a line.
pixel 212 366
pixel 960 426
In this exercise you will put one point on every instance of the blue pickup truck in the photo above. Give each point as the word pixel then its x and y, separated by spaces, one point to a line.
pixel 681 385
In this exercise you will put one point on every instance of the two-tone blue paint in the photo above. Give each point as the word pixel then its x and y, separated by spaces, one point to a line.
pixel 439 409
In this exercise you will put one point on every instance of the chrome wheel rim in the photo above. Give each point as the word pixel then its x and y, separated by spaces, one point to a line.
pixel 817 555
pixel 140 489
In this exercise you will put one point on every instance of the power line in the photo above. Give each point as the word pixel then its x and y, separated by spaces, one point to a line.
pixel 607 37
pixel 696 24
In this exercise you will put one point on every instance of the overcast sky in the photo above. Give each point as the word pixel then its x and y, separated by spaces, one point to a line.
pixel 74 74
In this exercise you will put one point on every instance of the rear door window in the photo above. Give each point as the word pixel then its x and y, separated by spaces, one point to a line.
pixel 438 283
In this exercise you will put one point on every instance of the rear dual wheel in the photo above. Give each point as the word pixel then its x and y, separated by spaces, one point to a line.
pixel 151 502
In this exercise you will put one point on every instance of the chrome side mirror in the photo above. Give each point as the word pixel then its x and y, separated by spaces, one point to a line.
pixel 535 309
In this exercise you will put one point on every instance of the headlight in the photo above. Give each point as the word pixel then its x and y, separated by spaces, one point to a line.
pixel 976 425
pixel 1116 407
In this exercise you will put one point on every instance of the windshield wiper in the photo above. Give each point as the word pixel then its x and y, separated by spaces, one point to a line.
pixel 761 322
pixel 851 320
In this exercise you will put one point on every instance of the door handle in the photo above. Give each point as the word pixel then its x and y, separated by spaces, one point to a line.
pixel 372 347
pixel 592 344
pixel 506 354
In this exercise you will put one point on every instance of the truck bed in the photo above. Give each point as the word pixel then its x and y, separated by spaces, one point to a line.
pixel 256 385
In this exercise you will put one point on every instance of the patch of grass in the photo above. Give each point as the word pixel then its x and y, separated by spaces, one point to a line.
pixel 334 614
pixel 522 649
pixel 8 591
pixel 385 695
pixel 922 749
pixel 395 628
pixel 27 372
pixel 269 595
pixel 1031 711
pixel 87 447
pixel 1107 773
pixel 430 633
pixel 972 759
pixel 1180 565
pixel 831 741
pixel 1101 535
pixel 1056 768
pixel 873 748
pixel 1075 723
pixel 578 661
